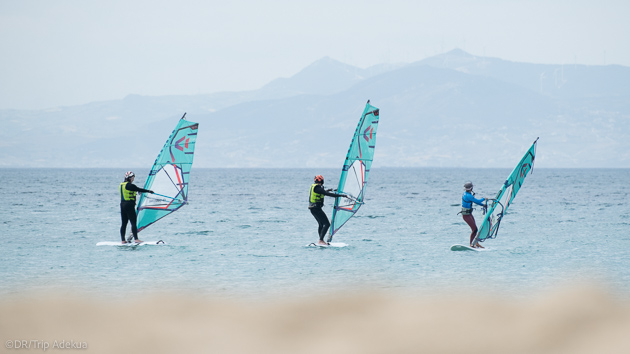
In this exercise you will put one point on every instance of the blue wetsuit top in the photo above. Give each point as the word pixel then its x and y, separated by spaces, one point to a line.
pixel 468 199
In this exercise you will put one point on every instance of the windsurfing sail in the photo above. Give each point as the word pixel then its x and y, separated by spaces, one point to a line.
pixel 499 206
pixel 169 175
pixel 356 169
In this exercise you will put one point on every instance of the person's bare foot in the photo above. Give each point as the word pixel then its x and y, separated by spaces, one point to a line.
pixel 322 243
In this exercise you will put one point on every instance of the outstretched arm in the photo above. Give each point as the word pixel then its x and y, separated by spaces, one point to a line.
pixel 321 190
pixel 479 201
pixel 133 187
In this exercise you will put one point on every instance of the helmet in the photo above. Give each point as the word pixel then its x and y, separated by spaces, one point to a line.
pixel 129 174
pixel 319 179
pixel 468 186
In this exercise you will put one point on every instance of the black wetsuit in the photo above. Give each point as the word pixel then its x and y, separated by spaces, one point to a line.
pixel 128 212
pixel 319 214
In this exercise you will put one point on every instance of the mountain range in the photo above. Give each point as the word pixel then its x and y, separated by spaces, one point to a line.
pixel 450 110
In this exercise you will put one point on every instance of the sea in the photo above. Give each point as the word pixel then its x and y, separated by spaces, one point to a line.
pixel 244 234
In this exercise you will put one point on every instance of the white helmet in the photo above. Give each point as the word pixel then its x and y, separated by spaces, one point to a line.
pixel 129 174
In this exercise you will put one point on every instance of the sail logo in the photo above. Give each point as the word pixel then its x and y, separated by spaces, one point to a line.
pixel 365 133
pixel 178 142
pixel 524 170
pixel 181 144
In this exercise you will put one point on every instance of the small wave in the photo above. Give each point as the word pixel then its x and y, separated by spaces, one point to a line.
pixel 202 232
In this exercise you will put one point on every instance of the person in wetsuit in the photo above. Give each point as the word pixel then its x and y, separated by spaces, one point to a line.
pixel 128 192
pixel 316 202
pixel 468 198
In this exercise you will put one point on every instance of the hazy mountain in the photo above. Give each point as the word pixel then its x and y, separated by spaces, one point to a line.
pixel 559 81
pixel 454 109
pixel 325 76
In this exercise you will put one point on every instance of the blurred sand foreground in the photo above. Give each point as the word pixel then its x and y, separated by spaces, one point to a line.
pixel 573 320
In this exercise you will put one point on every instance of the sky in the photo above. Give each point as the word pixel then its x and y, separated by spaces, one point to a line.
pixel 72 52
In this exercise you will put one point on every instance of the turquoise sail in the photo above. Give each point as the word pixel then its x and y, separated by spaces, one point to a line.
pixel 169 175
pixel 499 206
pixel 356 169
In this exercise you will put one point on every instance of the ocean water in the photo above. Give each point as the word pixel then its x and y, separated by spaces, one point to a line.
pixel 245 231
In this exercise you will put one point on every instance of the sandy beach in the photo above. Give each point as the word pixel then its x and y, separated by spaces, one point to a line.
pixel 576 319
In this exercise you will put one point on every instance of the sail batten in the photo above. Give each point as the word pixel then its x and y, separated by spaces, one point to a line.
pixel 498 207
pixel 169 175
pixel 356 169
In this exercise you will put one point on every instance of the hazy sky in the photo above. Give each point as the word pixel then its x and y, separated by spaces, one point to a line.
pixel 69 52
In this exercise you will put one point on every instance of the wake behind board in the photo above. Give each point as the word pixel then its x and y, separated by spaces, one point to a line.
pixel 466 248
pixel 131 244
pixel 330 244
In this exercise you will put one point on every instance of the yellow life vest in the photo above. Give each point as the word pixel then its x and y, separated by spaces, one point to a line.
pixel 126 195
pixel 315 198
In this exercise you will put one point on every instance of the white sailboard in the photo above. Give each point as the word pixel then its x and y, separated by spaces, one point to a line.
pixel 466 248
pixel 330 244
pixel 168 178
pixel 131 244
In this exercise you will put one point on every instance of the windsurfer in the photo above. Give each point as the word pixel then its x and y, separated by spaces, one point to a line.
pixel 316 202
pixel 128 205
pixel 467 208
